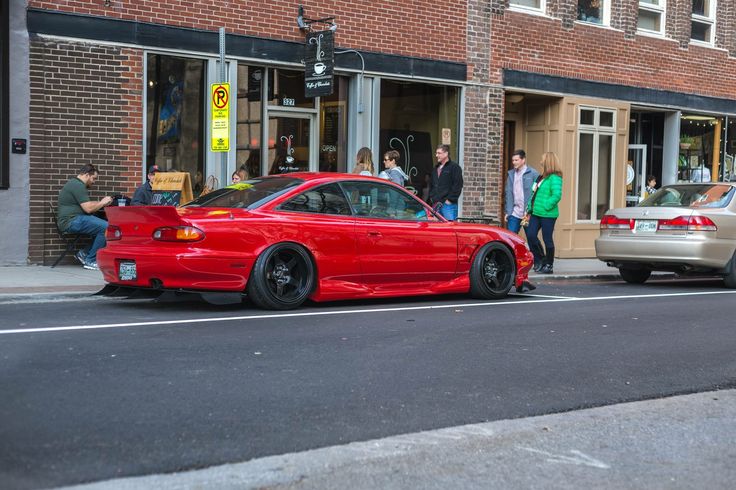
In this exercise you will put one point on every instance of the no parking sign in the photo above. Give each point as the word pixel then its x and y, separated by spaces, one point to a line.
pixel 220 133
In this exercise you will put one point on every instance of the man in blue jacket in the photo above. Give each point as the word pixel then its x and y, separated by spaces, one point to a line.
pixel 144 194
pixel 518 190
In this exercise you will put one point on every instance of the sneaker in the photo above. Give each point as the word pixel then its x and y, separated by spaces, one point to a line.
pixel 91 266
pixel 81 256
pixel 546 269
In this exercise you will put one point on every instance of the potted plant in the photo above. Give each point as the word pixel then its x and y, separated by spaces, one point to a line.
pixel 686 141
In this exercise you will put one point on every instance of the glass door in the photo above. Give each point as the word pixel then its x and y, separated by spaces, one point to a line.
pixel 636 174
pixel 291 143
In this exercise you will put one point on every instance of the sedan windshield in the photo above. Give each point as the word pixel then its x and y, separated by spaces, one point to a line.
pixel 691 196
pixel 249 194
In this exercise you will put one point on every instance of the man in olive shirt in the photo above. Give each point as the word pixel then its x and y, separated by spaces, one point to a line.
pixel 75 213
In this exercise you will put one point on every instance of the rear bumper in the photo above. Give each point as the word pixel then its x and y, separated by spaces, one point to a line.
pixel 190 271
pixel 689 252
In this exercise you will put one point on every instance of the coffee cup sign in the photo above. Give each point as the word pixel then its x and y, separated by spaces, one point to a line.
pixel 319 54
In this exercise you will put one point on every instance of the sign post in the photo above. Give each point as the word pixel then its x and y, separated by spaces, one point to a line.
pixel 220 117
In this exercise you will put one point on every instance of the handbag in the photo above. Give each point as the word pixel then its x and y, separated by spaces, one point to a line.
pixel 210 185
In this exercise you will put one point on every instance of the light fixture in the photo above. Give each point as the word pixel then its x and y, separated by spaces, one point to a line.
pixel 514 98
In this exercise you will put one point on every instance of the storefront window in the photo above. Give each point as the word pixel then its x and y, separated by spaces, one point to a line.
pixel 248 137
pixel 174 118
pixel 333 124
pixel 729 150
pixel 415 118
pixel 595 162
pixel 286 89
pixel 700 148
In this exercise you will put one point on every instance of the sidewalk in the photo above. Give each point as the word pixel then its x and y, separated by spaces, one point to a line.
pixel 75 280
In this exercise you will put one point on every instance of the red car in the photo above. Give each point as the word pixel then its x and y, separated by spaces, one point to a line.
pixel 284 239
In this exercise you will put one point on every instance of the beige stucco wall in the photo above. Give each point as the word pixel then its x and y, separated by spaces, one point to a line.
pixel 550 124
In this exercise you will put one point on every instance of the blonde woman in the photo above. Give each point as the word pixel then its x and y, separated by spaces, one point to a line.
pixel 543 212
pixel 364 162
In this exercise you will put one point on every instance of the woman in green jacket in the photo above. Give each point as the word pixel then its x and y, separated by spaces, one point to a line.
pixel 543 213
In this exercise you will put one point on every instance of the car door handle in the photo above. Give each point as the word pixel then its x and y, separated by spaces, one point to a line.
pixel 375 234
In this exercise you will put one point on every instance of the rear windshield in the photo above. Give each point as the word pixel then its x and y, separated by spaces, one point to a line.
pixel 249 194
pixel 691 196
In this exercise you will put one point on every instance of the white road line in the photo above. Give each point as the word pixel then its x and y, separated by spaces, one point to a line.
pixel 352 312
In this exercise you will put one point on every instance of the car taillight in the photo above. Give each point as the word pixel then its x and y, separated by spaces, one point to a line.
pixel 178 234
pixel 611 222
pixel 688 223
pixel 113 233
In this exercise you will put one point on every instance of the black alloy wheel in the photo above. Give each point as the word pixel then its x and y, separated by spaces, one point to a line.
pixel 493 272
pixel 282 278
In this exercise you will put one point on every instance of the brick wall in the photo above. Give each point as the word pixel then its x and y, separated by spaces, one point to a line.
pixel 86 107
pixel 421 28
pixel 543 45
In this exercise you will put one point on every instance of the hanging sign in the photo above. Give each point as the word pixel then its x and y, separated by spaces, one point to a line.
pixel 220 117
pixel 319 61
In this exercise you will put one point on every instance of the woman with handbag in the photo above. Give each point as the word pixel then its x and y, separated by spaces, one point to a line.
pixel 543 212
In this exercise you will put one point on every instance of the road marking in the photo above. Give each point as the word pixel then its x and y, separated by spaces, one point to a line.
pixel 353 312
pixel 578 459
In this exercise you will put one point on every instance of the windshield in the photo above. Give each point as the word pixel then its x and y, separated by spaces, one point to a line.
pixel 691 196
pixel 248 195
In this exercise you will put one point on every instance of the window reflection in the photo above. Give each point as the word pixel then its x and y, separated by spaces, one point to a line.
pixel 174 118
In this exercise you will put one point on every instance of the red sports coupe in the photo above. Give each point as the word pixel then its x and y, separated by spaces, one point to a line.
pixel 283 239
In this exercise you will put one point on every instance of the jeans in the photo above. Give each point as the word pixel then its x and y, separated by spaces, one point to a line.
pixel 513 224
pixel 547 225
pixel 90 225
pixel 449 211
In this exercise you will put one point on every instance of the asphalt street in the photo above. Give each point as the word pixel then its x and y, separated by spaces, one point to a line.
pixel 102 388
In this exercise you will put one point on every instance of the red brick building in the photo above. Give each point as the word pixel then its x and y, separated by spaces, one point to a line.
pixel 607 84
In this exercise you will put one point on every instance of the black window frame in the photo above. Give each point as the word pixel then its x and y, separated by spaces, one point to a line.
pixel 338 187
pixel 389 188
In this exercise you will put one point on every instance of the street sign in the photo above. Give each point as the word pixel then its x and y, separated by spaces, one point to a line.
pixel 220 133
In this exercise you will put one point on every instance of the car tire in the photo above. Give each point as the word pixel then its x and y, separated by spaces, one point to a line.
pixel 493 272
pixel 282 278
pixel 729 280
pixel 635 276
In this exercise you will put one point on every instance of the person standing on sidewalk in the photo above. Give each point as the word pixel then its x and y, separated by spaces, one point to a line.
pixel 544 210
pixel 447 184
pixel 518 190
pixel 75 213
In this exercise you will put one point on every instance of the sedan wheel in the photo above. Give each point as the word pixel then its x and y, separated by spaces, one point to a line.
pixel 493 272
pixel 729 280
pixel 282 278
pixel 635 276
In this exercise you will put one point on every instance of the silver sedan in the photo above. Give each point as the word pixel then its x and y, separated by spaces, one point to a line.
pixel 684 228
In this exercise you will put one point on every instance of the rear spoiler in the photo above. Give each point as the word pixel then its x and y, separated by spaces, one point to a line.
pixel 160 215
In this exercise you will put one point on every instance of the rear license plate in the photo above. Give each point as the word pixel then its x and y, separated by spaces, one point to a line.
pixel 645 225
pixel 127 272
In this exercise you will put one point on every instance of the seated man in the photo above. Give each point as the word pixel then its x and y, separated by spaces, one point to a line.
pixel 75 213
pixel 144 194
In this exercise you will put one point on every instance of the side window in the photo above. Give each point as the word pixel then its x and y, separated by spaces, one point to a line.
pixel 326 199
pixel 383 201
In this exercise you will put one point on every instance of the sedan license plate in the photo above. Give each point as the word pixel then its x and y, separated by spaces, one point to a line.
pixel 645 225
pixel 127 271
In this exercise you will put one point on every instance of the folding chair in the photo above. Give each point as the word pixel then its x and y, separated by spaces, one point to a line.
pixel 70 239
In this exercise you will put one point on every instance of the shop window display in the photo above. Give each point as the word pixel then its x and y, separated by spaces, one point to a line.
pixel 700 157
pixel 174 117
pixel 415 118
pixel 248 132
